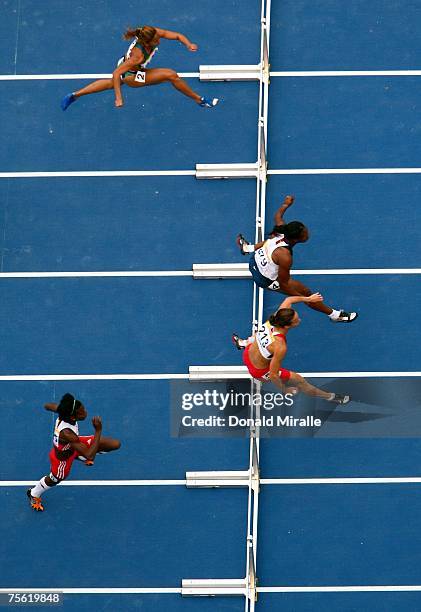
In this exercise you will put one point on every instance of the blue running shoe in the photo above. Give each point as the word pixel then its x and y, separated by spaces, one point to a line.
pixel 67 101
pixel 208 102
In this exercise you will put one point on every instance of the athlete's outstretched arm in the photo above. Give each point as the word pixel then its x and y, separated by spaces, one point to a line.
pixel 169 35
pixel 296 287
pixel 295 299
pixel 129 64
pixel 51 407
pixel 279 215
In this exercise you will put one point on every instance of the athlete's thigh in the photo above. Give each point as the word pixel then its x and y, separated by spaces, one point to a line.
pixel 107 444
pixel 295 379
pixel 150 76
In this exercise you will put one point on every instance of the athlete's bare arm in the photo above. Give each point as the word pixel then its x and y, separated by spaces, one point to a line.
pixel 169 35
pixel 51 407
pixel 295 299
pixel 278 349
pixel 136 58
pixel 279 215
pixel 88 452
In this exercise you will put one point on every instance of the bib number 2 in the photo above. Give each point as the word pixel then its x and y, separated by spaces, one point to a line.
pixel 140 77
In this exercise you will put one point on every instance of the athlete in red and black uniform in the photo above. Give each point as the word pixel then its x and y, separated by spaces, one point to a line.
pixel 265 350
pixel 68 445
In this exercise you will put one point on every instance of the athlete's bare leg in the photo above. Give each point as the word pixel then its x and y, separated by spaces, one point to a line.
pixel 296 287
pixel 94 87
pixel 108 444
pixel 155 76
pixel 304 386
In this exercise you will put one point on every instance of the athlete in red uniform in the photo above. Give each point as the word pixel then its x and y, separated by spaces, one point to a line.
pixel 68 445
pixel 266 349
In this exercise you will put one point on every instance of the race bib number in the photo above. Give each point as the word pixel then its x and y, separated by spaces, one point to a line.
pixel 140 76
pixel 264 337
pixel 260 255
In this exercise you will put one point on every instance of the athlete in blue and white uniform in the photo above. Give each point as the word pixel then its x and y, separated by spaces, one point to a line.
pixel 271 262
pixel 132 69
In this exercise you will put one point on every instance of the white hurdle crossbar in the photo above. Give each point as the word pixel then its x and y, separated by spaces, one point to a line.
pixel 221 270
pixel 236 72
pixel 227 171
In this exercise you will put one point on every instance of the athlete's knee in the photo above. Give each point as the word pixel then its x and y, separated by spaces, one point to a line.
pixel 297 379
pixel 110 444
pixel 171 75
pixel 306 291
pixel 116 444
pixel 52 480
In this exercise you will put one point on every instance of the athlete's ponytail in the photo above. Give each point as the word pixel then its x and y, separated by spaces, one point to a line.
pixel 282 317
pixel 144 34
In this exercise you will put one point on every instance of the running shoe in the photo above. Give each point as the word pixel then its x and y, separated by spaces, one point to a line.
pixel 237 341
pixel 84 460
pixel 36 503
pixel 208 102
pixel 67 101
pixel 345 317
pixel 241 243
pixel 340 399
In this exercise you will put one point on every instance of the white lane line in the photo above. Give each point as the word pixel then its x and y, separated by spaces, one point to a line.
pixel 97 173
pixel 93 591
pixel 127 173
pixel 164 273
pixel 163 590
pixel 39 377
pixel 333 481
pixel 54 377
pixel 63 77
pixel 97 274
pixel 360 374
pixel 196 75
pixel 300 171
pixel 339 589
pixel 344 73
pixel 99 483
pixel 263 481
pixel 361 271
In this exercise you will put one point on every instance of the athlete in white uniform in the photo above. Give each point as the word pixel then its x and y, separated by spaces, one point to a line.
pixel 132 71
pixel 271 262
pixel 263 257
